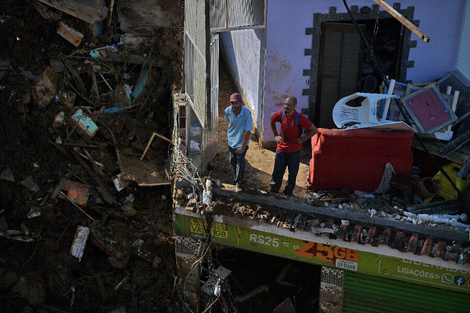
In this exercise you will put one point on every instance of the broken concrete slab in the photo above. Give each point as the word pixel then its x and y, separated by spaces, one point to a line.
pixel 46 12
pixel 143 20
pixel 143 17
pixel 90 11
pixel 143 172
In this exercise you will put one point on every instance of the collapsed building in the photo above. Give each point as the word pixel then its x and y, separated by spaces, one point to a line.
pixel 85 208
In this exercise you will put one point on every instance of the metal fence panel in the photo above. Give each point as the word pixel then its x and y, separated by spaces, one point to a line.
pixel 209 138
pixel 195 64
pixel 245 13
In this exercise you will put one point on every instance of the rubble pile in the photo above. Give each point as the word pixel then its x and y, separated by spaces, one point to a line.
pixel 85 209
pixel 363 229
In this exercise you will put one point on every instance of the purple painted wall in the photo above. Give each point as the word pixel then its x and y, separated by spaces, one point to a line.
pixel 463 61
pixel 286 42
pixel 243 50
pixel 442 21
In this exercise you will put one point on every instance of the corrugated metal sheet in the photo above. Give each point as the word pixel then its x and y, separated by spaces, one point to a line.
pixel 209 134
pixel 233 14
pixel 219 14
pixel 363 293
pixel 245 13
pixel 195 59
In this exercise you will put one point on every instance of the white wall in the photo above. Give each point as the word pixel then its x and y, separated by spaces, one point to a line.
pixel 286 42
pixel 243 51
pixel 463 60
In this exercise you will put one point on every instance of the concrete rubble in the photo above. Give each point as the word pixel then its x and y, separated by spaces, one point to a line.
pixel 85 223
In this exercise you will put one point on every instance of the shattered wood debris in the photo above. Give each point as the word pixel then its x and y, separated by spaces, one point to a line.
pixel 74 98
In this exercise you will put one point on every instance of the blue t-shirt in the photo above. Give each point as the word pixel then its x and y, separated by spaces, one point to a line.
pixel 237 126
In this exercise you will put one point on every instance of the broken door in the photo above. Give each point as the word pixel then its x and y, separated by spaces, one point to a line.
pixel 339 69
pixel 209 138
pixel 196 46
pixel 197 84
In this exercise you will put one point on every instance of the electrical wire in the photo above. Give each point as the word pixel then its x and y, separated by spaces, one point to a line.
pixel 376 60
pixel 184 169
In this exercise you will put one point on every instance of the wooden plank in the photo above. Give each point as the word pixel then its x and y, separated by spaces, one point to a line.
pixel 150 141
pixel 403 20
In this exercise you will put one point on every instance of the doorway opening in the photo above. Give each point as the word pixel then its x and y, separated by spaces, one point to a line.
pixel 261 283
pixel 341 64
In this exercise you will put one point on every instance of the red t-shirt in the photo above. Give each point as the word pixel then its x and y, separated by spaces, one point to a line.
pixel 290 131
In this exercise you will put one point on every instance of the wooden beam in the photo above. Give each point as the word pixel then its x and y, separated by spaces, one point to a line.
pixel 150 141
pixel 403 20
pixel 111 8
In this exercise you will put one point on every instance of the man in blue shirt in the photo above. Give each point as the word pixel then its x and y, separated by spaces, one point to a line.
pixel 238 133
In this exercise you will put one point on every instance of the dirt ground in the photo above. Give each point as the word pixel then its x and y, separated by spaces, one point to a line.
pixel 259 161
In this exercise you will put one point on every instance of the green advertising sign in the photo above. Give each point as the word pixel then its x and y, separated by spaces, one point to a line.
pixel 326 255
pixel 422 273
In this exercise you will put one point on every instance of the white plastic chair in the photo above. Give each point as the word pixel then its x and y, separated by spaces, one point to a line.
pixel 366 113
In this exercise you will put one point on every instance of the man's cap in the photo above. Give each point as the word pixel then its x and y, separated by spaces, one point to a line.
pixel 235 97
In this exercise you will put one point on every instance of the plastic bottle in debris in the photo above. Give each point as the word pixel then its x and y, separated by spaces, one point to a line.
pixel 207 193
pixel 207 197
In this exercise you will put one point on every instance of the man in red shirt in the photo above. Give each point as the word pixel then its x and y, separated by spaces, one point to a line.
pixel 289 144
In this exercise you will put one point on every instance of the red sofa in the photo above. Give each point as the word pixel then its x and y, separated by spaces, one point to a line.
pixel 356 158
